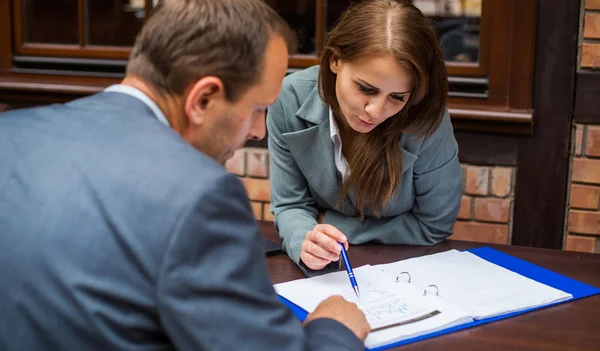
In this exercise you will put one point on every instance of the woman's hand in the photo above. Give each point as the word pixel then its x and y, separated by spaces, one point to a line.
pixel 321 246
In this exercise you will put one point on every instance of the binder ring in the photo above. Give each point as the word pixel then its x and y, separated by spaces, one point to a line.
pixel 437 291
pixel 398 276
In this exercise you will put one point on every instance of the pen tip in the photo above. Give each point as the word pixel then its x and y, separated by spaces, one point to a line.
pixel 357 291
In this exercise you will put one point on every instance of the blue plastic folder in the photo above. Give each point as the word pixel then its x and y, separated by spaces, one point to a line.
pixel 576 288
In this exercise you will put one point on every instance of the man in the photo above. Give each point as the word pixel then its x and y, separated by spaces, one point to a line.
pixel 117 234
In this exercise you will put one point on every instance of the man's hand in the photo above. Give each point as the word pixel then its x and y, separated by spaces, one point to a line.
pixel 321 247
pixel 347 313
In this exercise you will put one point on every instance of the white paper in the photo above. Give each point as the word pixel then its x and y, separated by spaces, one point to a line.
pixel 384 303
pixel 381 305
pixel 450 316
pixel 479 287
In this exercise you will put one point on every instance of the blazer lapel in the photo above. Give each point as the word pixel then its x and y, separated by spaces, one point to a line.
pixel 312 149
pixel 408 159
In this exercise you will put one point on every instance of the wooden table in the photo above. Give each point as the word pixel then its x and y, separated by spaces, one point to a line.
pixel 568 326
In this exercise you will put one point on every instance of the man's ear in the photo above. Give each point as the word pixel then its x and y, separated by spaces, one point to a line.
pixel 202 98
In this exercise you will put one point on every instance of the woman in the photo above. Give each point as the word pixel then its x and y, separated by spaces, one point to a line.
pixel 365 138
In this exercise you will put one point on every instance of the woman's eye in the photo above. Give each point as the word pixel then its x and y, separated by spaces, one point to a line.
pixel 398 97
pixel 365 90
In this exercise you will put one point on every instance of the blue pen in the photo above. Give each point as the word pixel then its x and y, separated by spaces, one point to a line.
pixel 349 270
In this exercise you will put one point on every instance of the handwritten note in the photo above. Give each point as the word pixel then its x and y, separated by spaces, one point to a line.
pixel 394 310
pixel 380 305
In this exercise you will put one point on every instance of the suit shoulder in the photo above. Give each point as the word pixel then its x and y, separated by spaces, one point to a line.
pixel 415 142
pixel 191 161
pixel 29 111
pixel 297 86
pixel 310 74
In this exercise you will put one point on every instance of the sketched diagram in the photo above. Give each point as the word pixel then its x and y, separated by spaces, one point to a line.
pixel 380 305
pixel 390 310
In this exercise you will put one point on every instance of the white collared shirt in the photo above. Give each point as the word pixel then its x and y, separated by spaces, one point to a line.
pixel 136 93
pixel 341 164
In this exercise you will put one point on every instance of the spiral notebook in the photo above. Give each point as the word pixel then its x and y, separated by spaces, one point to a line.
pixel 422 297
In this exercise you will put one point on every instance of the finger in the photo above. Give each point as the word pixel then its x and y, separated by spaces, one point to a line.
pixel 317 250
pixel 312 261
pixel 332 232
pixel 325 241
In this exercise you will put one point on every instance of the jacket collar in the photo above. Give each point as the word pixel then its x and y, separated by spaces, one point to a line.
pixel 313 110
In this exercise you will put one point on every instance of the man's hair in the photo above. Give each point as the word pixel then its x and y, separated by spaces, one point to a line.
pixel 186 40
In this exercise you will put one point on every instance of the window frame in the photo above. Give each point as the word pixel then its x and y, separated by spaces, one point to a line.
pixel 507 48
pixel 81 50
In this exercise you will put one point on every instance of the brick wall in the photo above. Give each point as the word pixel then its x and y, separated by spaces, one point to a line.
pixel 252 167
pixel 583 224
pixel 583 220
pixel 590 47
pixel 486 207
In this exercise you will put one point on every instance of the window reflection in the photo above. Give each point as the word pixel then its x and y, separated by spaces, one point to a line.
pixel 458 26
pixel 114 22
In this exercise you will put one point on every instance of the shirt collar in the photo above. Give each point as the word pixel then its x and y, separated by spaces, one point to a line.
pixel 334 131
pixel 129 90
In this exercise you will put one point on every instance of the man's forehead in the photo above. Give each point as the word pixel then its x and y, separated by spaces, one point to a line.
pixel 266 90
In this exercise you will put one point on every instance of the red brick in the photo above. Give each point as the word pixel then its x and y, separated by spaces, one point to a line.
pixel 586 171
pixel 267 215
pixel 592 4
pixel 492 210
pixel 580 243
pixel 584 222
pixel 591 25
pixel 590 55
pixel 257 209
pixel 585 197
pixel 465 207
pixel 477 180
pixel 481 232
pixel 579 139
pixel 258 189
pixel 258 163
pixel 592 141
pixel 501 181
pixel 237 163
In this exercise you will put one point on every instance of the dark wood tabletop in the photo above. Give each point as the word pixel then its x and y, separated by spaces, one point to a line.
pixel 568 326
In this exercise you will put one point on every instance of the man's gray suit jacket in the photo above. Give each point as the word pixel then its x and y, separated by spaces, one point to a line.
pixel 117 235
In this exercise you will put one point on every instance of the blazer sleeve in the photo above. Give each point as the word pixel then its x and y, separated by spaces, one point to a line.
pixel 294 208
pixel 438 188
pixel 214 291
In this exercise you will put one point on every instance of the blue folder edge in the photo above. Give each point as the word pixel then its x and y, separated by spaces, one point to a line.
pixel 576 288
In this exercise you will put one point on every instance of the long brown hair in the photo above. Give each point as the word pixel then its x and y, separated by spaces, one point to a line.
pixel 398 28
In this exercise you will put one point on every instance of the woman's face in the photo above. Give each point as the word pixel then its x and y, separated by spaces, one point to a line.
pixel 371 90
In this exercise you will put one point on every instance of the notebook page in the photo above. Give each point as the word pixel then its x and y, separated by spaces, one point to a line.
pixel 450 316
pixel 382 306
pixel 383 302
pixel 477 286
